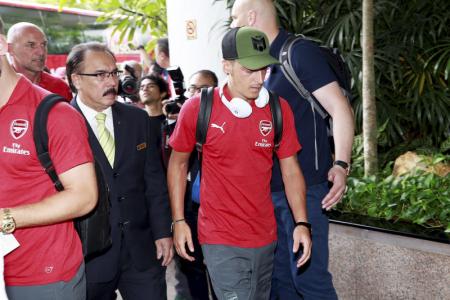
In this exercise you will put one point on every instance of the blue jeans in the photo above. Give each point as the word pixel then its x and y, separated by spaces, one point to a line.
pixel 311 281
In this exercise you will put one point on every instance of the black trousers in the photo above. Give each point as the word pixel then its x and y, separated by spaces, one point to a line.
pixel 132 284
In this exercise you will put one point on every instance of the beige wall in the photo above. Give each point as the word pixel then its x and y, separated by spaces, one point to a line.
pixel 373 265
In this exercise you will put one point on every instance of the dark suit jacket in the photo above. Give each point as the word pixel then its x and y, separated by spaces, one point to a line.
pixel 138 192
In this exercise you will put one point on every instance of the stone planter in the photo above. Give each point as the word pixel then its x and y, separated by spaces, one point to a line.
pixel 368 263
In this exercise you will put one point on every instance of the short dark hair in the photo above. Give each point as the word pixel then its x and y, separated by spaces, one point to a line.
pixel 208 74
pixel 159 81
pixel 163 46
pixel 76 58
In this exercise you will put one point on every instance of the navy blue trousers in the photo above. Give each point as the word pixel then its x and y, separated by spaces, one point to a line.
pixel 311 281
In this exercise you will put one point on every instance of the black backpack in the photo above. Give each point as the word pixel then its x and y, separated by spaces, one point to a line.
pixel 94 228
pixel 336 62
pixel 204 114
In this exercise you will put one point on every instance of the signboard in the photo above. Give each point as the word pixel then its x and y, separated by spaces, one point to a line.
pixel 191 29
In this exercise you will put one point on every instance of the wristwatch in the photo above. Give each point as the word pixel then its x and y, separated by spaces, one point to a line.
pixel 305 224
pixel 8 223
pixel 343 164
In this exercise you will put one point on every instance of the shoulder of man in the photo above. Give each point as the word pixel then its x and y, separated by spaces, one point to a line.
pixel 47 78
pixel 63 111
pixel 130 111
pixel 128 108
pixel 30 93
pixel 191 105
pixel 55 85
pixel 311 65
pixel 305 45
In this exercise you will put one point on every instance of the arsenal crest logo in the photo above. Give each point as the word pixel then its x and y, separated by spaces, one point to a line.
pixel 265 127
pixel 18 128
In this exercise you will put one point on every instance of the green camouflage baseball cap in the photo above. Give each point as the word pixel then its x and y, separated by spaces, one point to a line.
pixel 250 47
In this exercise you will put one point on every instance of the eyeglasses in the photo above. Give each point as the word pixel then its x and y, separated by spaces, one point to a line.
pixel 102 76
pixel 196 89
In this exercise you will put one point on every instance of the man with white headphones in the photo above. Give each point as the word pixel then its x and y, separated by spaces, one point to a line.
pixel 236 226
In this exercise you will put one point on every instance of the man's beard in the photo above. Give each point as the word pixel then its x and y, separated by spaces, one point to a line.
pixel 149 101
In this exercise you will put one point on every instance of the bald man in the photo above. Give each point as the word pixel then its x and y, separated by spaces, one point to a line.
pixel 28 52
pixel 313 281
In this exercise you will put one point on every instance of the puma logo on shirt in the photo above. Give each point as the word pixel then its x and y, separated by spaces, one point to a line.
pixel 213 125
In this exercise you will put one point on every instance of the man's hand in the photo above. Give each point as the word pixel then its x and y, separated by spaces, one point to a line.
pixel 338 176
pixel 301 235
pixel 164 250
pixel 182 236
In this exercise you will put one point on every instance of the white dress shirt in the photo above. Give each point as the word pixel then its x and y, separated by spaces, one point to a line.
pixel 90 114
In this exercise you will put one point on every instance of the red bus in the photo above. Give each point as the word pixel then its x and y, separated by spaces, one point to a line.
pixel 64 29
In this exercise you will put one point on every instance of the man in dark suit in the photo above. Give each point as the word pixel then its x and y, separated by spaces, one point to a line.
pixel 140 216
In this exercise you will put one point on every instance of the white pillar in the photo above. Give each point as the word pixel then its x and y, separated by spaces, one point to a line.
pixel 196 28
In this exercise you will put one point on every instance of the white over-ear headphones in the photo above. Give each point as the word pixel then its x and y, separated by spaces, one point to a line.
pixel 241 108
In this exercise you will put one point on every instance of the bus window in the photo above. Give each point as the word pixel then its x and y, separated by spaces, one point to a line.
pixel 12 15
pixel 63 29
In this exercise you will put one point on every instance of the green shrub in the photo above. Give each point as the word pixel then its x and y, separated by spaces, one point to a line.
pixel 419 197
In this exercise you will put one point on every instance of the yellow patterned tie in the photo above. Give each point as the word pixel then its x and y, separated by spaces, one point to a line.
pixel 105 138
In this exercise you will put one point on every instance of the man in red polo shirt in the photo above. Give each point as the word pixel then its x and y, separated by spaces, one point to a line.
pixel 48 264
pixel 236 225
pixel 28 51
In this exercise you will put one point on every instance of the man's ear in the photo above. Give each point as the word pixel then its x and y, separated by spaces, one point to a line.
pixel 251 17
pixel 163 95
pixel 75 80
pixel 11 49
pixel 227 66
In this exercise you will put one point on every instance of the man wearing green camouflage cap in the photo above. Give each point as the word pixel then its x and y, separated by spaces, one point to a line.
pixel 236 226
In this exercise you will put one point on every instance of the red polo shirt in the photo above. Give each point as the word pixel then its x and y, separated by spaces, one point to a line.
pixel 48 253
pixel 236 206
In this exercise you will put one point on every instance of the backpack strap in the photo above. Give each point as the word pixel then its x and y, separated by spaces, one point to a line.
pixel 40 136
pixel 277 118
pixel 286 66
pixel 204 114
